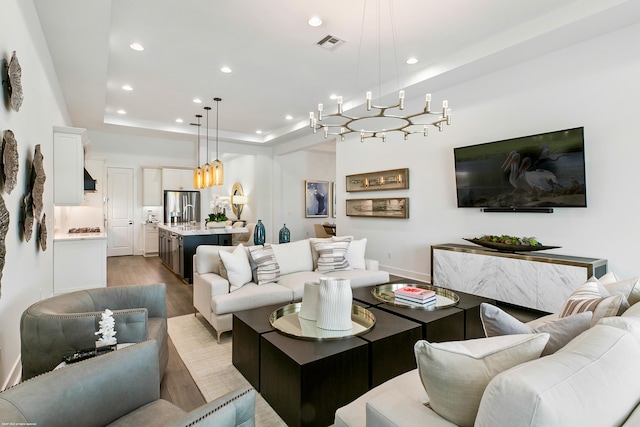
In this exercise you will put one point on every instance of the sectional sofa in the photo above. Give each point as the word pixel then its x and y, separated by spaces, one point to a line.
pixel 231 279
pixel 587 376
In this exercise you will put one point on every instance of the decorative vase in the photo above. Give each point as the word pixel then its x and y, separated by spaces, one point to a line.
pixel 334 304
pixel 309 307
pixel 285 235
pixel 259 234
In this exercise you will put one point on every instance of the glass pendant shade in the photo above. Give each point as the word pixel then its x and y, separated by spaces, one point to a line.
pixel 198 178
pixel 208 175
pixel 217 173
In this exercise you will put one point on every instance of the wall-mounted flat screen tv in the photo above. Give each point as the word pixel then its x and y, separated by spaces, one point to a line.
pixel 537 171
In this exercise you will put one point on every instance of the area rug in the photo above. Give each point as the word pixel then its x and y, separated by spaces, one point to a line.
pixel 209 363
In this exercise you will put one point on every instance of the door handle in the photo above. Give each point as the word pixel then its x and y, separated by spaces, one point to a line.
pixel 130 222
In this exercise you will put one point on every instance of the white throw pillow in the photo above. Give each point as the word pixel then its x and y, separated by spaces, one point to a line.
pixel 238 268
pixel 496 322
pixel 267 268
pixel 293 257
pixel 355 254
pixel 630 288
pixel 592 296
pixel 332 256
pixel 455 374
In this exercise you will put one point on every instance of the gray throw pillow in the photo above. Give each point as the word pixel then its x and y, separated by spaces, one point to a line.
pixel 497 322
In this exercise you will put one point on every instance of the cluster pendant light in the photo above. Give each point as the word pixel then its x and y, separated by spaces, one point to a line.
pixel 198 172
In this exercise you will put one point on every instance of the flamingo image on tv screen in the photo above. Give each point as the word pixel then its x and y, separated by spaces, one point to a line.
pixel 538 171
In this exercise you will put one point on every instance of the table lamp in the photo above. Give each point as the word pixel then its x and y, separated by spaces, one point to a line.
pixel 239 201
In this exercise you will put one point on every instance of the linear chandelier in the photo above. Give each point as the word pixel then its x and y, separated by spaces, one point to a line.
pixel 410 124
pixel 369 125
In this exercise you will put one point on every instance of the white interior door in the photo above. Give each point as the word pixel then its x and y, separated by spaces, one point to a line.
pixel 120 212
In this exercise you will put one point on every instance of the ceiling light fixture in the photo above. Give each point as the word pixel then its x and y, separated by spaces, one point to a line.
pixel 412 60
pixel 198 173
pixel 122 112
pixel 127 87
pixel 206 169
pixel 225 69
pixel 315 21
pixel 179 120
pixel 217 171
pixel 136 46
pixel 406 124
pixel 197 100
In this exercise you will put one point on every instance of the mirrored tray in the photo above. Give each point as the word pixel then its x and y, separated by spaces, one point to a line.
pixel 286 321
pixel 444 297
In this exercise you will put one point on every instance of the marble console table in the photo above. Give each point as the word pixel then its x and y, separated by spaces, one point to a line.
pixel 534 280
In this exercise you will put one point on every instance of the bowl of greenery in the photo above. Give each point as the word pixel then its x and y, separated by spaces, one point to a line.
pixel 506 243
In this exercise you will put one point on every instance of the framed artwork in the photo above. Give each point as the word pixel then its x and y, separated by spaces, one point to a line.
pixel 394 179
pixel 396 207
pixel 333 196
pixel 317 199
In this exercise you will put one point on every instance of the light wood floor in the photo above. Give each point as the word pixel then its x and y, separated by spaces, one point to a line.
pixel 177 385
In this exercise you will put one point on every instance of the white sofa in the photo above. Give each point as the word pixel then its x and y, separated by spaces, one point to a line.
pixel 214 298
pixel 593 380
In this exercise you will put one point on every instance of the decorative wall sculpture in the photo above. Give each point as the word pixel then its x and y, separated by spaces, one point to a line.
pixel 38 178
pixel 4 227
pixel 14 83
pixel 27 208
pixel 10 160
pixel 42 233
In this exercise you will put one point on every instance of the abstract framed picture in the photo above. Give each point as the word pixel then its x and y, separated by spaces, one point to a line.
pixel 394 179
pixel 395 207
pixel 317 199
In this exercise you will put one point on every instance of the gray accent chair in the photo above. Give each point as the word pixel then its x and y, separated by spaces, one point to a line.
pixel 63 324
pixel 121 388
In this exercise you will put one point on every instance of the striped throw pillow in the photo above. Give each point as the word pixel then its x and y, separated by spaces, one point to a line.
pixel 332 256
pixel 592 296
pixel 267 268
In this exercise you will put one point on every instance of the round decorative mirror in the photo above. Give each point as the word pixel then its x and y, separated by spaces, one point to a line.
pixel 237 194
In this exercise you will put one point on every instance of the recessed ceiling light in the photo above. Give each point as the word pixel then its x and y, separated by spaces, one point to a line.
pixel 136 46
pixel 179 120
pixel 127 87
pixel 258 131
pixel 225 69
pixel 333 96
pixel 315 21
pixel 197 100
pixel 289 117
pixel 122 112
pixel 412 60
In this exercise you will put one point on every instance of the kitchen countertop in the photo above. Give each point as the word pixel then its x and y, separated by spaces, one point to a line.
pixel 199 229
pixel 80 236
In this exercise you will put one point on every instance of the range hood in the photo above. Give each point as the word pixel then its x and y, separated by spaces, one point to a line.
pixel 89 182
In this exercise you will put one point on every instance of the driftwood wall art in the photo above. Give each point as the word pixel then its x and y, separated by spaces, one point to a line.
pixel 10 161
pixel 14 82
pixel 4 227
pixel 38 178
pixel 42 233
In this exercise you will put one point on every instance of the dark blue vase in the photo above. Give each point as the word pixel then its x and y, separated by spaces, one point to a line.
pixel 259 234
pixel 285 235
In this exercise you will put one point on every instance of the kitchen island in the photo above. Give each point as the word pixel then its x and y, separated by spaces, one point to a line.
pixel 178 243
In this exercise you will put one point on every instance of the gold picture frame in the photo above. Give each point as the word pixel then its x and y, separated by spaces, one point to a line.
pixel 393 207
pixel 394 179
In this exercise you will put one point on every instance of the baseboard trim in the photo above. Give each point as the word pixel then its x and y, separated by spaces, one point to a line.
pixel 415 275
pixel 15 375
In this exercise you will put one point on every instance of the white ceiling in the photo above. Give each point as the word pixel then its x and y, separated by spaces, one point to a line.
pixel 278 69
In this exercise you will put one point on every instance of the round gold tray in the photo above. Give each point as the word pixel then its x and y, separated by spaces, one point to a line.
pixel 286 321
pixel 444 297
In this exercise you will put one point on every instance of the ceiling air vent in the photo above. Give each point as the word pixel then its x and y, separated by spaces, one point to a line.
pixel 330 42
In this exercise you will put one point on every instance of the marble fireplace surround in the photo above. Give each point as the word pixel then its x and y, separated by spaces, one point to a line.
pixel 538 280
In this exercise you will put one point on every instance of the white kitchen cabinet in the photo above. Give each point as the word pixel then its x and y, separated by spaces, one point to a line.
pixel 79 264
pixel 177 179
pixel 68 166
pixel 151 187
pixel 151 244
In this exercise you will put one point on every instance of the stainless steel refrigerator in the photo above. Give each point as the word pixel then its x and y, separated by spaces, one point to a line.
pixel 181 206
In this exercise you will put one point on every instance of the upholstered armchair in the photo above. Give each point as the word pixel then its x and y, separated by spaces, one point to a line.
pixel 63 324
pixel 121 388
pixel 244 238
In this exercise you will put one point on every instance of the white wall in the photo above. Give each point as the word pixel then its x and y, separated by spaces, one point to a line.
pixel 591 84
pixel 28 271
pixel 290 172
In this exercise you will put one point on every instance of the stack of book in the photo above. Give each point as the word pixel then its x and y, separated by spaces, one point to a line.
pixel 413 295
